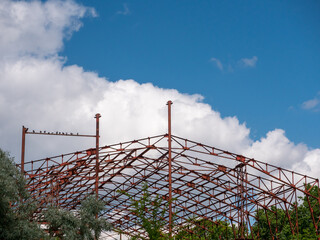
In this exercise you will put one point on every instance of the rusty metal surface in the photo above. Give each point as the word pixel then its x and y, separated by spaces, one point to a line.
pixel 206 183
pixel 199 181
pixel 23 147
pixel 97 117
pixel 64 134
pixel 170 167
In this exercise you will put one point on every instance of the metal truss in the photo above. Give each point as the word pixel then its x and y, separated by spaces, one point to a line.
pixel 198 181
pixel 206 183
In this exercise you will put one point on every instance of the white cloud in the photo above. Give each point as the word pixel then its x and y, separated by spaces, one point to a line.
pixel 217 63
pixel 44 94
pixel 249 62
pixel 125 11
pixel 242 63
pixel 310 163
pixel 277 149
pixel 37 28
pixel 313 104
pixel 310 103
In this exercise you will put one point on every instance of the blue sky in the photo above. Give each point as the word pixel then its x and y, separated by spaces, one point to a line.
pixel 255 63
pixel 177 44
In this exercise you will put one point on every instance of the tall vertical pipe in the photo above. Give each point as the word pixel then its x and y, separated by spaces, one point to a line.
pixel 23 145
pixel 97 116
pixel 169 159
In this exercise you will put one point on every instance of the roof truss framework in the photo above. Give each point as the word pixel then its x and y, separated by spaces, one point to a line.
pixel 207 182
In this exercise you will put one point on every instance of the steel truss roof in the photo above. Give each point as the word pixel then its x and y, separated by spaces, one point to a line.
pixel 207 182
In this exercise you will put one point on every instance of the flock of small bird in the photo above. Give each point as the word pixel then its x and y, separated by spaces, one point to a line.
pixel 53 133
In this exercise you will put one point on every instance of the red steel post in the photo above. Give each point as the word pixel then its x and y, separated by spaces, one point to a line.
pixel 97 116
pixel 23 145
pixel 170 177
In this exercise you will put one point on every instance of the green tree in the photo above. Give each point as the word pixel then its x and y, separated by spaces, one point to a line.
pixel 278 218
pixel 19 221
pixel 16 206
pixel 204 229
pixel 81 224
pixel 150 214
pixel 306 227
pixel 279 224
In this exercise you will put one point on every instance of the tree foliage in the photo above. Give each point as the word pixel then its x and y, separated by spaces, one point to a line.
pixel 16 206
pixel 150 215
pixel 273 223
pixel 283 222
pixel 279 225
pixel 306 226
pixel 81 224
pixel 19 221
pixel 204 229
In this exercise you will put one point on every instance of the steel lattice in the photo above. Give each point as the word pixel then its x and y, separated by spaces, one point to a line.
pixel 207 182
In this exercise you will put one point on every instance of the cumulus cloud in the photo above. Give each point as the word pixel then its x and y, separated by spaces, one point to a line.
pixel 45 94
pixel 249 62
pixel 312 104
pixel 38 28
pixel 277 149
pixel 309 164
pixel 217 62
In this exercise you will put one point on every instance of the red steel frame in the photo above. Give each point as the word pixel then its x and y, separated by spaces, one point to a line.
pixel 198 180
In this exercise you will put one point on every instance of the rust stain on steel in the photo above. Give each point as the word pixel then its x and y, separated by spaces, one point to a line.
pixel 97 117
pixel 25 132
pixel 23 146
pixel 170 167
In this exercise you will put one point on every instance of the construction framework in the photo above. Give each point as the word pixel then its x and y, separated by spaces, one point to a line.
pixel 198 181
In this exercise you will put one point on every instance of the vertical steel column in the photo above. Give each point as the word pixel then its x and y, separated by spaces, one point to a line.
pixel 169 159
pixel 97 116
pixel 23 145
pixel 318 233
